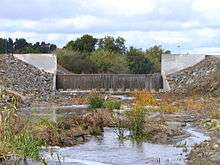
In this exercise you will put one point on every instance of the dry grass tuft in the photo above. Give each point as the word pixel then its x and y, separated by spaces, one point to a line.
pixel 144 98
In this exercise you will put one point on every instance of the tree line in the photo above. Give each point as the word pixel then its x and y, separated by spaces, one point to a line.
pixel 21 46
pixel 88 54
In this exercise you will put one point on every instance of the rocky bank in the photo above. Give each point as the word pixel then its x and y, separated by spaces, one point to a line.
pixel 23 78
pixel 202 78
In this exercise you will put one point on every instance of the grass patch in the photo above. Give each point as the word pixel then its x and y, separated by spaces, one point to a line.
pixel 96 102
pixel 26 146
pixel 112 104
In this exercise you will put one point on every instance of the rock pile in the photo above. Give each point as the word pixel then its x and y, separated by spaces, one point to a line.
pixel 201 78
pixel 26 79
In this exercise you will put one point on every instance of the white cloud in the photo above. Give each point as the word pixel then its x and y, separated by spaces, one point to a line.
pixel 206 50
pixel 58 38
pixel 193 24
pixel 146 39
pixel 210 9
pixel 207 33
pixel 79 23
pixel 120 7
pixel 206 6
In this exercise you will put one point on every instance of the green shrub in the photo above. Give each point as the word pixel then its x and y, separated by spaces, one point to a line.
pixel 109 62
pixel 26 146
pixel 112 104
pixel 22 144
pixel 96 102
pixel 75 61
pixel 136 119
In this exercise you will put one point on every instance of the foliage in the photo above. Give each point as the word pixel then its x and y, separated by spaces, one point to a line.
pixel 212 124
pixel 136 118
pixel 137 62
pixel 86 43
pixel 144 98
pixel 16 137
pixel 108 43
pixel 112 104
pixel 88 54
pixel 3 45
pixel 75 61
pixel 26 146
pixel 109 62
pixel 22 143
pixel 22 46
pixel 46 123
pixel 96 102
pixel 154 55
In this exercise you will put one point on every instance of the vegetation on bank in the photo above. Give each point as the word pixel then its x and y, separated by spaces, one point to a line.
pixel 96 101
pixel 23 138
pixel 16 137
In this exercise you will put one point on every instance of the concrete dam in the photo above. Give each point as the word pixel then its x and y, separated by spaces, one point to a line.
pixel 170 63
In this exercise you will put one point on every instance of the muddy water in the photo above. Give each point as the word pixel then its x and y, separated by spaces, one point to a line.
pixel 108 150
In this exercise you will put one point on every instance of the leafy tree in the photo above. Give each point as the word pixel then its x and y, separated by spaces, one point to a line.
pixel 44 48
pixel 109 62
pixel 75 61
pixel 3 45
pixel 10 46
pixel 120 45
pixel 84 44
pixel 53 47
pixel 154 55
pixel 137 62
pixel 114 45
pixel 36 48
pixel 21 45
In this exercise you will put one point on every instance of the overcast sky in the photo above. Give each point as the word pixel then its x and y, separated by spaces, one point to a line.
pixel 181 26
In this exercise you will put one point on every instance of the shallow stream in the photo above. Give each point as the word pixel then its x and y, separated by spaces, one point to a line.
pixel 108 150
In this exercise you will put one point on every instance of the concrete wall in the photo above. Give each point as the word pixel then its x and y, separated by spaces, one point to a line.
pixel 46 62
pixel 109 81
